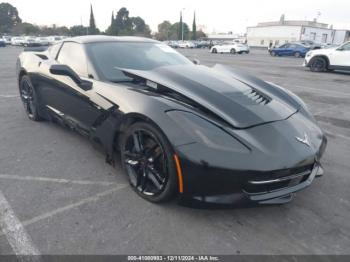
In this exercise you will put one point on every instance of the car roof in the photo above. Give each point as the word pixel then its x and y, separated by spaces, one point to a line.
pixel 104 38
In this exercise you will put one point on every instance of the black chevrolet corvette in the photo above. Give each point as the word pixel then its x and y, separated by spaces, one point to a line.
pixel 213 134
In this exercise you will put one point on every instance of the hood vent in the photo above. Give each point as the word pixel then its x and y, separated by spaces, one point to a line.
pixel 258 97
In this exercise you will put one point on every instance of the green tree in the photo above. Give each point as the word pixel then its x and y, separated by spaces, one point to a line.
pixel 62 30
pixel 139 27
pixel 200 34
pixel 77 30
pixel 123 24
pixel 194 28
pixel 111 29
pixel 25 29
pixel 176 28
pixel 164 31
pixel 8 17
pixel 92 27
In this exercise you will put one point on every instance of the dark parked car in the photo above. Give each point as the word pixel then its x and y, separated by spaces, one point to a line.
pixel 202 44
pixel 290 49
pixel 2 43
pixel 310 44
pixel 214 134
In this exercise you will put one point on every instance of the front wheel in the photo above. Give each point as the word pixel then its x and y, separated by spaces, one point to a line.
pixel 233 51
pixel 318 64
pixel 273 53
pixel 148 160
pixel 29 98
pixel 214 51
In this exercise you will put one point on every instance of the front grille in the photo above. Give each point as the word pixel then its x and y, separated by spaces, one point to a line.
pixel 277 180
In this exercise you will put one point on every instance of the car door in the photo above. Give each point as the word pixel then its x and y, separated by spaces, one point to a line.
pixel 290 49
pixel 220 48
pixel 282 49
pixel 227 48
pixel 78 106
pixel 341 56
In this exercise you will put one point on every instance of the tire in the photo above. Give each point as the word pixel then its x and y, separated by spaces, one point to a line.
pixel 318 64
pixel 233 51
pixel 147 158
pixel 29 98
pixel 297 54
pixel 214 51
pixel 273 53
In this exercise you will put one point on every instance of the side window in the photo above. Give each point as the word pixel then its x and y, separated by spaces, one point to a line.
pixel 293 46
pixel 73 55
pixel 346 47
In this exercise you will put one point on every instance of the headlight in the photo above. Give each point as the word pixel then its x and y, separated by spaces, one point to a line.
pixel 308 54
pixel 207 133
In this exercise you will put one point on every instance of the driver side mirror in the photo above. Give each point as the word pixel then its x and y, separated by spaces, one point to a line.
pixel 65 70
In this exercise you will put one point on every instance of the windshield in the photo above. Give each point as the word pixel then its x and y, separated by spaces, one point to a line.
pixel 108 57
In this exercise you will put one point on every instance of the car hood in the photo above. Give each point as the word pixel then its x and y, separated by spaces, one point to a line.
pixel 323 51
pixel 241 101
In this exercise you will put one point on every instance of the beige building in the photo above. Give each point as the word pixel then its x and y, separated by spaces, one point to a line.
pixel 284 31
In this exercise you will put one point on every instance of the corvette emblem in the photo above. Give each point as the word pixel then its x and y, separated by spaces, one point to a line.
pixel 304 140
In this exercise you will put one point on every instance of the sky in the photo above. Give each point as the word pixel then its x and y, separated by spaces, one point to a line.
pixel 218 16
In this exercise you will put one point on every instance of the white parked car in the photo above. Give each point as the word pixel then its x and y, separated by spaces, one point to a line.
pixel 186 44
pixel 232 48
pixel 30 41
pixel 43 41
pixel 335 58
pixel 17 41
pixel 55 39
pixel 7 39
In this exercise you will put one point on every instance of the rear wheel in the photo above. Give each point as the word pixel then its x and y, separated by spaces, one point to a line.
pixel 29 98
pixel 297 54
pixel 233 51
pixel 318 64
pixel 147 158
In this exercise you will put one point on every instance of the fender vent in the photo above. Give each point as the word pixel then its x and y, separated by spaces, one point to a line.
pixel 258 97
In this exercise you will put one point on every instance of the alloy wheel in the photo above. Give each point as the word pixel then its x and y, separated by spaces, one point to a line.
pixel 318 65
pixel 28 98
pixel 145 163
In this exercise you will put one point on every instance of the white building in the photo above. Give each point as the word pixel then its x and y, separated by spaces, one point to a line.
pixel 229 37
pixel 283 31
pixel 341 36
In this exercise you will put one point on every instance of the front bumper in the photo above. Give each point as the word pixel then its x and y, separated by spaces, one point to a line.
pixel 271 191
pixel 243 49
pixel 307 61
pixel 283 194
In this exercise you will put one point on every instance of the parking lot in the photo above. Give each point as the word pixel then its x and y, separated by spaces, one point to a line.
pixel 71 202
